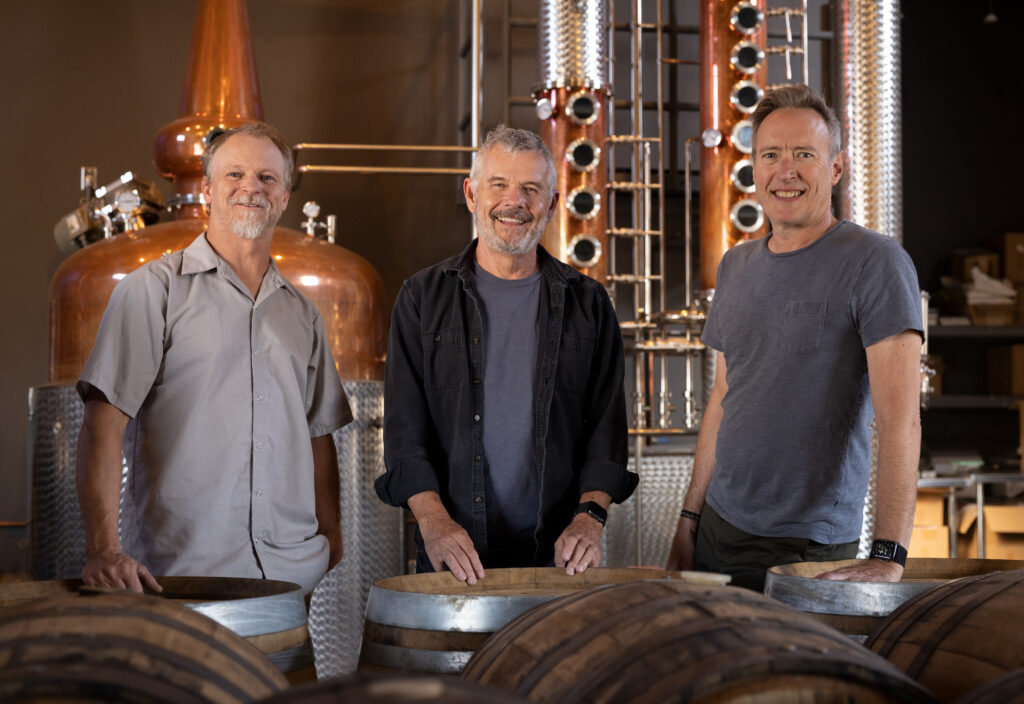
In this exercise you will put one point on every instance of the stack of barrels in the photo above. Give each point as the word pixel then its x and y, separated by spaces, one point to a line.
pixel 605 636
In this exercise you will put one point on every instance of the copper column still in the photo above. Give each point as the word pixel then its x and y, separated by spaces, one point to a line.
pixel 571 107
pixel 732 48
pixel 221 90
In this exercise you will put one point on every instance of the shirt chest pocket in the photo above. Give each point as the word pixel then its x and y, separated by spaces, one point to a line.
pixel 574 361
pixel 803 326
pixel 444 358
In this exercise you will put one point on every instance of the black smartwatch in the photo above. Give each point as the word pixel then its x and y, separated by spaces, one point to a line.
pixel 890 551
pixel 594 510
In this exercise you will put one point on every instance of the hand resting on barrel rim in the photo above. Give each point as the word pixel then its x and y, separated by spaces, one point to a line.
pixel 116 570
pixel 446 542
pixel 579 545
pixel 866 571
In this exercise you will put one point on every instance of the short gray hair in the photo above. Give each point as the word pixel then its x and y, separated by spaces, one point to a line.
pixel 216 138
pixel 513 141
pixel 802 97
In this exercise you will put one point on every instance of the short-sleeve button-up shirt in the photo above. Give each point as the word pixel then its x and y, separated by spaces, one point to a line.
pixel 224 393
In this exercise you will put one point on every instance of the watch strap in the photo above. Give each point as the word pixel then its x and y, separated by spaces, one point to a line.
pixel 594 510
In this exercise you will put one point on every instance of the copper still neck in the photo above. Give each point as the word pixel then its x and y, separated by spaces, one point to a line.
pixel 221 89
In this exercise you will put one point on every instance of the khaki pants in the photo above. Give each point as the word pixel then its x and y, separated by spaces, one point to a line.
pixel 722 547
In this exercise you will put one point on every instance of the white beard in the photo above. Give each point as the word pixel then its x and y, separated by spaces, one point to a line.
pixel 490 238
pixel 252 224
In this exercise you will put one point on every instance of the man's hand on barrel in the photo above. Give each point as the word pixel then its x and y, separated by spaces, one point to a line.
pixel 447 543
pixel 579 545
pixel 115 570
pixel 866 571
pixel 684 545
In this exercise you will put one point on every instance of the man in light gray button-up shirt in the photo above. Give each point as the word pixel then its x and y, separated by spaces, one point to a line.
pixel 219 371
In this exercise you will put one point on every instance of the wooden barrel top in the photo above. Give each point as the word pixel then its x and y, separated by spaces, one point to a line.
pixel 537 581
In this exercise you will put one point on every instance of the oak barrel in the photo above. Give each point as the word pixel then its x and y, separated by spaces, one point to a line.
pixel 366 688
pixel 433 623
pixel 270 614
pixel 1008 689
pixel 666 641
pixel 123 647
pixel 858 608
pixel 957 636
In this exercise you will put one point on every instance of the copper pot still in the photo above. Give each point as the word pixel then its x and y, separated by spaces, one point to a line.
pixel 733 42
pixel 220 90
pixel 572 105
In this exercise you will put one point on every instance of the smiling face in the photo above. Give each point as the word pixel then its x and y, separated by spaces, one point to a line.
pixel 246 187
pixel 511 200
pixel 794 172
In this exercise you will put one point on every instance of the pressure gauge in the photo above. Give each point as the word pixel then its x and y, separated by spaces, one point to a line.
pixel 127 201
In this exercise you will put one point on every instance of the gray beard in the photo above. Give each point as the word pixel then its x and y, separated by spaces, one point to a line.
pixel 485 230
pixel 250 228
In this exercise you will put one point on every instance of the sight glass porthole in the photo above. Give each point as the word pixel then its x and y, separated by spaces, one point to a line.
pixel 742 135
pixel 742 175
pixel 747 215
pixel 584 203
pixel 746 18
pixel 747 57
pixel 745 96
pixel 584 251
pixel 583 155
pixel 582 108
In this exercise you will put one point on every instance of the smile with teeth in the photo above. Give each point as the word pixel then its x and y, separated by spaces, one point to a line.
pixel 511 218
pixel 787 194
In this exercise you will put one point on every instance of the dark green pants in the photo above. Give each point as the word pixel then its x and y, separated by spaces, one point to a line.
pixel 722 547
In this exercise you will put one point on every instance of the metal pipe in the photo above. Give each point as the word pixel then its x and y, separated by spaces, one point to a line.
pixel 476 74
pixel 441 171
pixel 384 147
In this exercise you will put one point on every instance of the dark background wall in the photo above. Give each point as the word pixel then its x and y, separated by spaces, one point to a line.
pixel 88 84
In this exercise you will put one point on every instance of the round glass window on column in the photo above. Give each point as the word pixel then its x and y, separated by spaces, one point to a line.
pixel 742 176
pixel 742 135
pixel 582 108
pixel 584 203
pixel 747 57
pixel 747 215
pixel 746 18
pixel 584 251
pixel 583 155
pixel 745 96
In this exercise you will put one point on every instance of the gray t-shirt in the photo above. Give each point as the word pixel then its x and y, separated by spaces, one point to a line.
pixel 793 455
pixel 508 309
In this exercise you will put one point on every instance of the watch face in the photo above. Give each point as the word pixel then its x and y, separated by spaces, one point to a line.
pixel 884 549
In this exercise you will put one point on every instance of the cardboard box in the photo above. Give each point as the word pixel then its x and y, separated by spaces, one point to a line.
pixel 929 541
pixel 1004 532
pixel 931 507
pixel 963 260
pixel 1006 370
pixel 991 313
pixel 1013 256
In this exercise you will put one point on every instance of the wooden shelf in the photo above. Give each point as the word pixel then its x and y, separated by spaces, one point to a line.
pixel 965 401
pixel 975 331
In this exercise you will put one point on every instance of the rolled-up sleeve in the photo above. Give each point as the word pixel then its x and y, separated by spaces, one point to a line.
pixel 410 440
pixel 604 466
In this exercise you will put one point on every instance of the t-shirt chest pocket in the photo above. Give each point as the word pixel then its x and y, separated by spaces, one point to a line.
pixel 803 326
pixel 444 358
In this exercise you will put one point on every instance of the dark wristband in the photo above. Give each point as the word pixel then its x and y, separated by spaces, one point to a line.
pixel 690 514
pixel 594 510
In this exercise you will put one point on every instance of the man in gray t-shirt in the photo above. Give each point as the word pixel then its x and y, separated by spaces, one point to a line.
pixel 817 329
